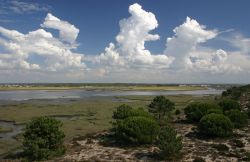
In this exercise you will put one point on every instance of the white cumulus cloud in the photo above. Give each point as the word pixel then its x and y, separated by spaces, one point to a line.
pixel 129 49
pixel 186 38
pixel 184 51
pixel 185 58
pixel 216 62
pixel 67 31
pixel 54 54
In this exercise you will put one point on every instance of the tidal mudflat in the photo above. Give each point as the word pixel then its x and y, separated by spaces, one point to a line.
pixel 89 112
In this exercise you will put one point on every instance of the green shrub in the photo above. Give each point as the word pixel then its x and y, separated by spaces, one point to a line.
pixel 177 112
pixel 215 125
pixel 140 112
pixel 229 104
pixel 125 111
pixel 220 147
pixel 137 130
pixel 195 111
pixel 248 110
pixel 238 143
pixel 247 156
pixel 248 113
pixel 239 119
pixel 122 112
pixel 199 159
pixel 215 111
pixel 169 143
pixel 160 106
pixel 43 138
pixel 236 92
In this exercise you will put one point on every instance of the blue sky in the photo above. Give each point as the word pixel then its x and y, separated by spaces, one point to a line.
pixel 99 20
pixel 98 25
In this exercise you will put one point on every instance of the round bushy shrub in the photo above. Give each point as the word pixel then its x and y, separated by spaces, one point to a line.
pixel 169 143
pixel 122 112
pixel 228 104
pixel 43 138
pixel 215 111
pixel 140 112
pixel 239 119
pixel 137 130
pixel 125 111
pixel 195 111
pixel 177 112
pixel 215 125
pixel 238 143
pixel 161 106
pixel 199 159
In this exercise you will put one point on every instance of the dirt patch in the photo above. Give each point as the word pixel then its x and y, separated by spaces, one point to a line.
pixel 91 149
pixel 211 150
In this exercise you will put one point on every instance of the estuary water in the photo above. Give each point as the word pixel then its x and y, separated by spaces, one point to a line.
pixel 49 94
pixel 18 95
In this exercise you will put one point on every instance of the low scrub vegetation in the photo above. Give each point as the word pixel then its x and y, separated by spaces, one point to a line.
pixel 199 159
pixel 195 111
pixel 229 104
pixel 221 147
pixel 43 139
pixel 215 125
pixel 160 107
pixel 177 112
pixel 169 142
pixel 125 111
pixel 122 112
pixel 137 127
pixel 239 119
pixel 216 119
pixel 236 92
pixel 137 130
pixel 238 143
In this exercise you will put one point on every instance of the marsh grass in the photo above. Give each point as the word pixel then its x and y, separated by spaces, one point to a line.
pixel 5 129
pixel 81 117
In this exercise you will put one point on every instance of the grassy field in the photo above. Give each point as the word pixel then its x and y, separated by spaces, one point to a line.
pixel 79 117
pixel 5 129
pixel 106 87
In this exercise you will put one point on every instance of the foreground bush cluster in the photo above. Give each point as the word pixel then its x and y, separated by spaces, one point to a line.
pixel 43 139
pixel 216 119
pixel 195 111
pixel 137 126
pixel 214 125
pixel 169 142
pixel 137 130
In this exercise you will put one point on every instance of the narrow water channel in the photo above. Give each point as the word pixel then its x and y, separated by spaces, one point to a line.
pixel 16 129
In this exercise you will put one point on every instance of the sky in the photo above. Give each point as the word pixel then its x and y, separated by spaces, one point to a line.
pixel 127 41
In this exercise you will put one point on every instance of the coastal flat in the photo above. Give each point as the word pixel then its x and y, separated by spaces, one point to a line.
pixel 111 87
pixel 79 116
